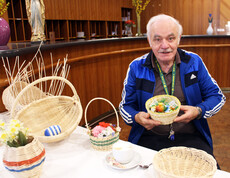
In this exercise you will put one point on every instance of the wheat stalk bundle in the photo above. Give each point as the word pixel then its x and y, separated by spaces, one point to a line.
pixel 23 74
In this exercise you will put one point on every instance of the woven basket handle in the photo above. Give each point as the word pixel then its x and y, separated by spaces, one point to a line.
pixel 42 80
pixel 99 98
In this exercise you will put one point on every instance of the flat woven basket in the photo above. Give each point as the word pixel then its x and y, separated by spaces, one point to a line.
pixel 178 162
pixel 164 118
pixel 65 111
pixel 105 143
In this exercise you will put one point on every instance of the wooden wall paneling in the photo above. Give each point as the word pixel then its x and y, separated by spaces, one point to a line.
pixel 73 10
pixel 193 15
pixel 92 10
pixel 126 3
pixel 85 9
pixel 48 8
pixel 65 6
pixel 103 14
pixel 224 12
pixel 51 9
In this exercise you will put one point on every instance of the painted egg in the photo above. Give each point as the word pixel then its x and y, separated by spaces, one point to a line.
pixel 53 130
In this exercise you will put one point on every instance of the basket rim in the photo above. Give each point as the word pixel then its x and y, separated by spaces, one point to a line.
pixel 160 96
pixel 38 81
pixel 175 148
pixel 101 98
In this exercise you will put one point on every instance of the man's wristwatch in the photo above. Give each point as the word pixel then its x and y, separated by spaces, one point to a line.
pixel 200 112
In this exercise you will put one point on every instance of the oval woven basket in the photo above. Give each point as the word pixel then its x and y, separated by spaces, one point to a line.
pixel 166 117
pixel 25 161
pixel 51 110
pixel 178 162
pixel 10 93
pixel 105 143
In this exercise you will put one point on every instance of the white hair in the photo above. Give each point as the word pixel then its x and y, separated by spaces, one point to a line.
pixel 161 17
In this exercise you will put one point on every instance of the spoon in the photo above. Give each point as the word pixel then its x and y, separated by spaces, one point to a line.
pixel 145 166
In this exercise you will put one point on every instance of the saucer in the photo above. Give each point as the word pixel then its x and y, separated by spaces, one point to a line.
pixel 110 161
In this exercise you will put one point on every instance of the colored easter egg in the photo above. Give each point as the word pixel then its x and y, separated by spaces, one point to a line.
pixel 53 130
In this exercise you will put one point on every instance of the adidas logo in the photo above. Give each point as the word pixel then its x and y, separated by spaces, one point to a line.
pixel 192 77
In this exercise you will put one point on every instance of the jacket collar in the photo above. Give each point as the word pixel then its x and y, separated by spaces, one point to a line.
pixel 183 57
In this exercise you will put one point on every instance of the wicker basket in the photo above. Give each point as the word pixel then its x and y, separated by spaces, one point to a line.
pixel 105 143
pixel 64 111
pixel 10 93
pixel 178 162
pixel 164 118
pixel 25 161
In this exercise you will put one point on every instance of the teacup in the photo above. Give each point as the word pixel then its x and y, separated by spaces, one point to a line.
pixel 122 152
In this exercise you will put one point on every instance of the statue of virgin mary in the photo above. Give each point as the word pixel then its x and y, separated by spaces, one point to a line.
pixel 36 15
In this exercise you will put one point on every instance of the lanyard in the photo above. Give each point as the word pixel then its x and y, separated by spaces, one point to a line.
pixel 163 79
pixel 171 133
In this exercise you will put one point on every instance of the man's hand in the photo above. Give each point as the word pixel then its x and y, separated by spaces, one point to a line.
pixel 143 119
pixel 190 113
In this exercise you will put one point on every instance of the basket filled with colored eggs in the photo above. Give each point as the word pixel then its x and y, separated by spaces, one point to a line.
pixel 163 108
pixel 104 135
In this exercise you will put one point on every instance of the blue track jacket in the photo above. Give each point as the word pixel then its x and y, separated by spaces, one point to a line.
pixel 199 88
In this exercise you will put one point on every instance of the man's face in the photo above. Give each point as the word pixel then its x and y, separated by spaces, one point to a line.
pixel 164 40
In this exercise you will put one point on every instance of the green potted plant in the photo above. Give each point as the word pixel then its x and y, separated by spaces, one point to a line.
pixel 24 154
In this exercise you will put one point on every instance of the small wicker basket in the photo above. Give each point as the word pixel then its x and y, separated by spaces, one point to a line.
pixel 105 143
pixel 178 162
pixel 164 118
pixel 65 111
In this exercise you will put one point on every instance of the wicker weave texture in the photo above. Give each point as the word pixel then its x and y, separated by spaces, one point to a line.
pixel 25 161
pixel 65 111
pixel 105 143
pixel 178 162
pixel 10 93
pixel 164 118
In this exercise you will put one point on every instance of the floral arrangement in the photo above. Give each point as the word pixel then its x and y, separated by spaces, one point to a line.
pixel 210 18
pixel 14 134
pixel 103 130
pixel 3 7
pixel 162 106
pixel 138 5
pixel 130 23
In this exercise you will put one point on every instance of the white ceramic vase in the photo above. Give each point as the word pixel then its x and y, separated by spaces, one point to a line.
pixel 210 29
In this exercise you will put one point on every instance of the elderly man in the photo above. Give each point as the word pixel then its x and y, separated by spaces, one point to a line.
pixel 186 77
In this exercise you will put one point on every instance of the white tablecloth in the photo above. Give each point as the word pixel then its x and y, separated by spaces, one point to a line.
pixel 74 157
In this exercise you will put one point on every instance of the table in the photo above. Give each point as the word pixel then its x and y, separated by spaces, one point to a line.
pixel 74 157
